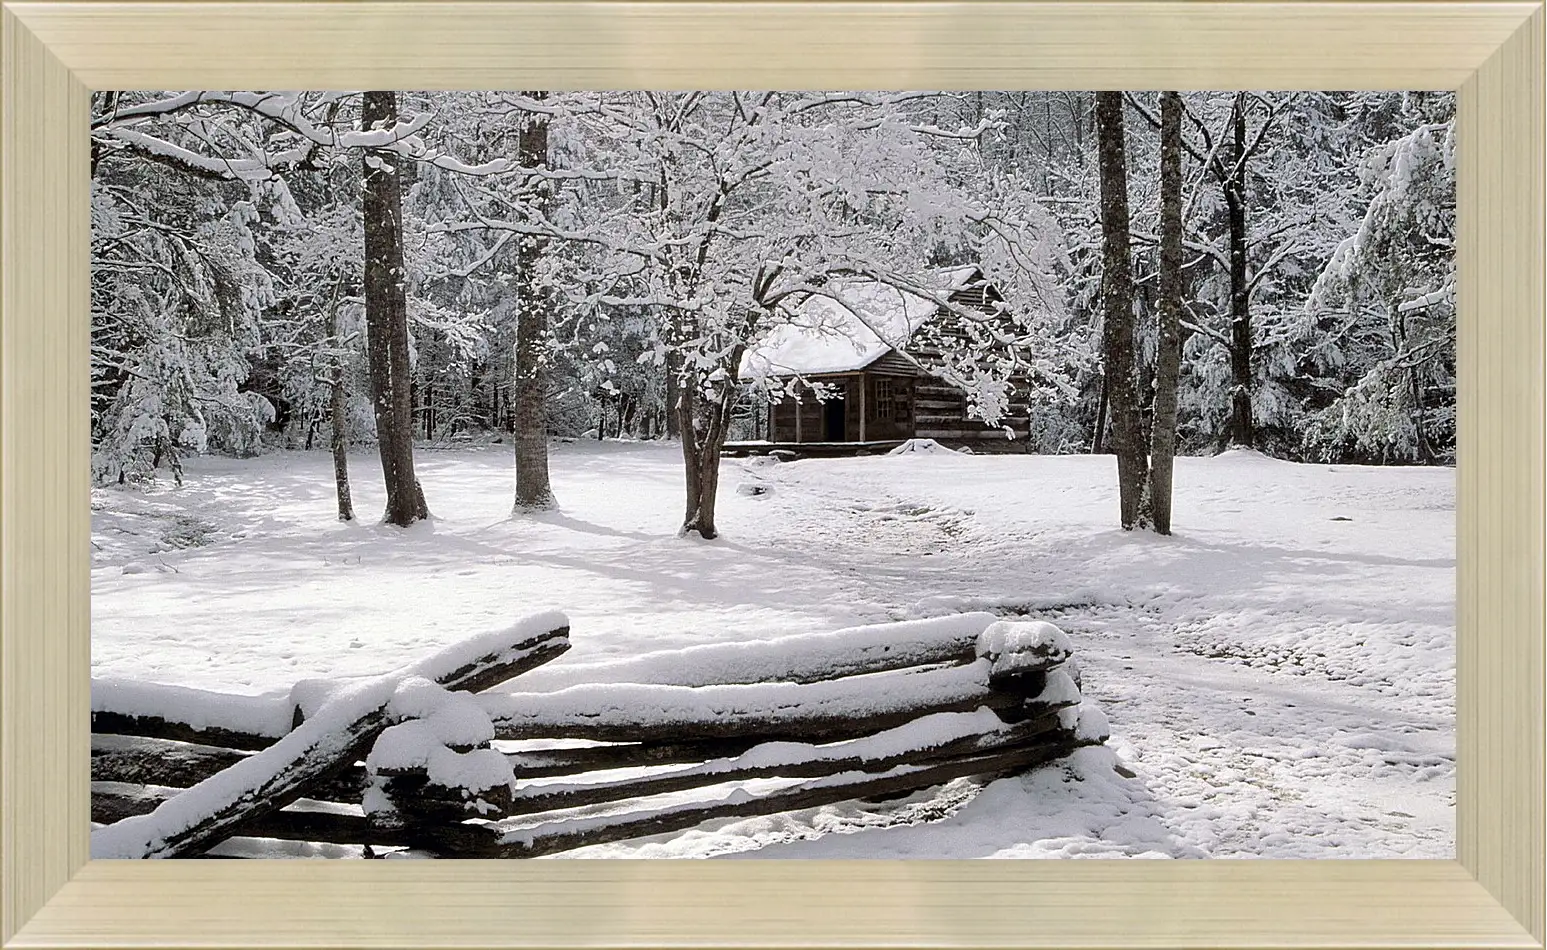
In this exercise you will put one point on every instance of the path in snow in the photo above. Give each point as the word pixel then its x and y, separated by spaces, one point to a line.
pixel 1280 682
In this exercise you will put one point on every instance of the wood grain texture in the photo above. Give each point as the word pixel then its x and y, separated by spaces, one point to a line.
pixel 1500 516
pixel 676 45
pixel 44 502
pixel 50 897
pixel 779 904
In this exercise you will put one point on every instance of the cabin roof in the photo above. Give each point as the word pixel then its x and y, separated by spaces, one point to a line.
pixel 825 336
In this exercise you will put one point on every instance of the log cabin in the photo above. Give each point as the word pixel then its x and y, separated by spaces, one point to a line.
pixel 861 372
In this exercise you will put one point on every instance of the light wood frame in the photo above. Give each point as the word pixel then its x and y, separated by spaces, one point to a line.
pixel 1493 895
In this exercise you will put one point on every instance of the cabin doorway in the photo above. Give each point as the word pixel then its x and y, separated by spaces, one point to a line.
pixel 834 412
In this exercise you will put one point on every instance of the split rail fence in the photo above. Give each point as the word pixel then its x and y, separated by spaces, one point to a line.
pixel 446 758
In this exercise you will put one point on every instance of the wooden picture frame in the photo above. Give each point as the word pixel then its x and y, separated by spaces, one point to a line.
pixel 54 52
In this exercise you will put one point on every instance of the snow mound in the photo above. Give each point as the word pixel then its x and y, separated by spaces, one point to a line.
pixel 922 447
pixel 1014 647
pixel 1060 690
pixel 435 721
pixel 1093 725
pixel 1036 638
pixel 309 695
pixel 1242 454
pixel 413 745
pixel 455 719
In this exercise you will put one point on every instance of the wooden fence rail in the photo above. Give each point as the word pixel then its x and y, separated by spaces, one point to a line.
pixel 415 759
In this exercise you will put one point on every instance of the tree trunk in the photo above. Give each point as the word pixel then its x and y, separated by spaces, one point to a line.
pixel 1168 356
pixel 1397 321
pixel 1117 321
pixel 386 319
pixel 1144 369
pixel 626 404
pixel 1421 451
pixel 429 412
pixel 704 416
pixel 673 384
pixel 1240 294
pixel 533 492
pixel 1099 441
pixel 338 416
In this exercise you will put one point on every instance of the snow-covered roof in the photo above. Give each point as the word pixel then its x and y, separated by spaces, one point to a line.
pixel 829 336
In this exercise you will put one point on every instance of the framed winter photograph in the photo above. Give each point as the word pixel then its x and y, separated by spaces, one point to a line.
pixel 551 432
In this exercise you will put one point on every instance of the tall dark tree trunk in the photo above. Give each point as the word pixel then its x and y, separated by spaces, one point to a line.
pixel 1168 355
pixel 1240 432
pixel 704 416
pixel 1117 335
pixel 338 416
pixel 386 320
pixel 533 492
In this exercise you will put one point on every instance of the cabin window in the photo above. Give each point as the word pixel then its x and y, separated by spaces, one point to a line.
pixel 886 405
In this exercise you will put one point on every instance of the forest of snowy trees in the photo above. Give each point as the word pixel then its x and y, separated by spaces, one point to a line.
pixel 1180 272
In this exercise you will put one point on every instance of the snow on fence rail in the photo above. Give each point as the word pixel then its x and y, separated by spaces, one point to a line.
pixel 415 759
pixel 342 730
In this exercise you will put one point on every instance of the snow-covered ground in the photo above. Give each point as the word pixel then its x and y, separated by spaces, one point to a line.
pixel 1279 675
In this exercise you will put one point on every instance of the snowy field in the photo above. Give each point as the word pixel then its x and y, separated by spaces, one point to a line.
pixel 1279 675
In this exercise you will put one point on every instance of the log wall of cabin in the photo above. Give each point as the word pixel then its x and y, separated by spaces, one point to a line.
pixel 805 420
pixel 851 407
pixel 894 363
pixel 941 408
pixel 941 414
pixel 889 407
pixel 922 407
pixel 781 425
pixel 798 421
